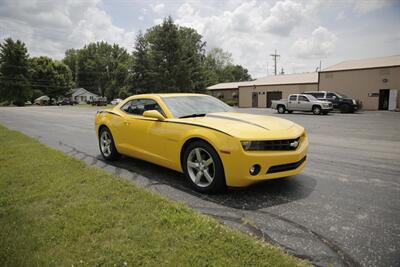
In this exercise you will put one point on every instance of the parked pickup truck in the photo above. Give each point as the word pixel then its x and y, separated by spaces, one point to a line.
pixel 302 102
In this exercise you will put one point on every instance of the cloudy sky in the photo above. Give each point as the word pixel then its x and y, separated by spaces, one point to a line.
pixel 303 32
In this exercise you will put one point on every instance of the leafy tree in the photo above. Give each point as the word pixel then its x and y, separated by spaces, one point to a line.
pixel 14 83
pixel 168 58
pixel 100 67
pixel 53 78
pixel 71 59
pixel 218 68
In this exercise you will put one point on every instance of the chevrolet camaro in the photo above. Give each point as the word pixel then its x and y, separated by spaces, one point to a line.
pixel 203 138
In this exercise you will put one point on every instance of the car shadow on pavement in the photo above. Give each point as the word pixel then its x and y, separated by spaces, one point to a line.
pixel 258 196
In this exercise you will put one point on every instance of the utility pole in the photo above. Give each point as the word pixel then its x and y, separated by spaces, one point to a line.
pixel 274 57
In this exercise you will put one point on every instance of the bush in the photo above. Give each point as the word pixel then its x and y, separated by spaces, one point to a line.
pixel 232 102
pixel 4 103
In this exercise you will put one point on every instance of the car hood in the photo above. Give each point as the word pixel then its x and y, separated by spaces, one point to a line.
pixel 247 126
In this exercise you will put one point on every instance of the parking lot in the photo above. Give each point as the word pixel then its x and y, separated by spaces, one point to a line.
pixel 343 209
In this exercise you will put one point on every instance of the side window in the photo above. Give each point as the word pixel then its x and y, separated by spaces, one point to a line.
pixel 330 95
pixel 303 98
pixel 293 98
pixel 139 106
pixel 318 95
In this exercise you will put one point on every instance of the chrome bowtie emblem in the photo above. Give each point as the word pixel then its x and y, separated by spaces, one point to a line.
pixel 294 144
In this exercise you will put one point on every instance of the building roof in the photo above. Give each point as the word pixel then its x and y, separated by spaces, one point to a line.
pixel 220 86
pixel 298 78
pixel 42 98
pixel 367 63
pixel 80 91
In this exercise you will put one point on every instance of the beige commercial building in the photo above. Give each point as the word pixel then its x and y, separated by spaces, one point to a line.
pixel 261 92
pixel 225 91
pixel 374 81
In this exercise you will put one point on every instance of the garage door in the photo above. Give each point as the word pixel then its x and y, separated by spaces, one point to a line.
pixel 273 96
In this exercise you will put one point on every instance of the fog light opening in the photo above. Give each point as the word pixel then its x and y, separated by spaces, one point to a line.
pixel 255 169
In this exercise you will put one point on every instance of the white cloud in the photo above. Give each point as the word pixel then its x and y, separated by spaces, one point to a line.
pixel 284 17
pixel 51 27
pixel 321 44
pixel 251 30
pixel 341 15
pixel 157 8
pixel 368 6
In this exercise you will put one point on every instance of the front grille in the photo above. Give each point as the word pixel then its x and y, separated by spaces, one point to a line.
pixel 286 167
pixel 289 144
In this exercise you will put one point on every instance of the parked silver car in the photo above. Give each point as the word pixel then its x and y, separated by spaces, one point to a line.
pixel 302 102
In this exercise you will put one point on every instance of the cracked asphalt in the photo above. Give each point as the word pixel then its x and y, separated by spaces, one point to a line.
pixel 343 209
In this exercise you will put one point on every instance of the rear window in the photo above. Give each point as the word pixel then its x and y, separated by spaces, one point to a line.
pixel 293 98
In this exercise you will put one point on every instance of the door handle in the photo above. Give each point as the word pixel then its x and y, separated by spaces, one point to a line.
pixel 126 123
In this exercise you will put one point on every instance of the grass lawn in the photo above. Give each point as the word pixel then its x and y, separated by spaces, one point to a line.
pixel 56 211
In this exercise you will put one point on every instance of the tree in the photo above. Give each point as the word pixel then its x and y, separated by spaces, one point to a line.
pixel 53 78
pixel 71 59
pixel 14 83
pixel 100 67
pixel 168 58
pixel 218 68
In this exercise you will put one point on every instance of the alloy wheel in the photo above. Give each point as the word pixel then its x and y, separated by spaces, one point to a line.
pixel 201 167
pixel 105 143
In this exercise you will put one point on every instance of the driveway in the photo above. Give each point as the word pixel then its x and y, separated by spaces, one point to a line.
pixel 343 209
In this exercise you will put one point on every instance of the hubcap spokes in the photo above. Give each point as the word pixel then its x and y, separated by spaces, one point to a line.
pixel 200 167
pixel 105 143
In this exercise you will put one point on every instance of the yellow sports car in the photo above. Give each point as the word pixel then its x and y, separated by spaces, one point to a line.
pixel 200 136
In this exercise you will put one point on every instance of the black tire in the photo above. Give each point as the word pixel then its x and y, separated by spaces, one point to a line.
pixel 316 110
pixel 345 108
pixel 290 111
pixel 281 109
pixel 113 154
pixel 218 183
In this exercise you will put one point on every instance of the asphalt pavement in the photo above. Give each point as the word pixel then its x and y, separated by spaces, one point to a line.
pixel 343 209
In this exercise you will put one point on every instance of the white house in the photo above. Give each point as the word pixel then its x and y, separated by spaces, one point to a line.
pixel 82 95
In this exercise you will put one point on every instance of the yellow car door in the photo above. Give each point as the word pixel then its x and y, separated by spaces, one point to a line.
pixel 142 135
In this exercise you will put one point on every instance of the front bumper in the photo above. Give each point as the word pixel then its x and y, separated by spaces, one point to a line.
pixel 274 164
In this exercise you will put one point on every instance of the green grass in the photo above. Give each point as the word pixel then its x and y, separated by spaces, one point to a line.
pixel 56 211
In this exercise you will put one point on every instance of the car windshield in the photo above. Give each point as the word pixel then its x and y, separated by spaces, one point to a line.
pixel 195 105
pixel 341 95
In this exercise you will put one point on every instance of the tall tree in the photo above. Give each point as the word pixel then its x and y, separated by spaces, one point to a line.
pixel 71 59
pixel 140 65
pixel 14 83
pixel 101 68
pixel 218 68
pixel 53 78
pixel 169 58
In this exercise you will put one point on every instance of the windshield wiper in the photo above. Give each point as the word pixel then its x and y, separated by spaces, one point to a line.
pixel 193 115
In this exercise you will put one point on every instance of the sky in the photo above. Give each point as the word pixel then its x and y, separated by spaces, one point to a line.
pixel 303 32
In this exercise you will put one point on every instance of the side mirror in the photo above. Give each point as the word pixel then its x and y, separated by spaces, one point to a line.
pixel 153 114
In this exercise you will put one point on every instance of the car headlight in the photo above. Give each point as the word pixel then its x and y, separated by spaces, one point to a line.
pixel 354 102
pixel 326 105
